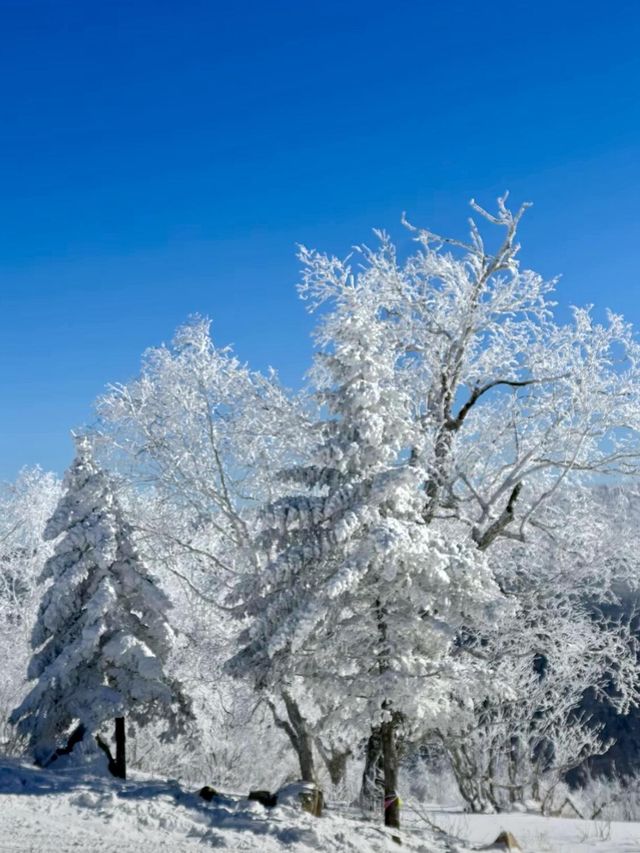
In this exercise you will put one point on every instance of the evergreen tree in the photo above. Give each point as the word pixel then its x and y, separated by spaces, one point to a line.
pixel 101 639
pixel 360 597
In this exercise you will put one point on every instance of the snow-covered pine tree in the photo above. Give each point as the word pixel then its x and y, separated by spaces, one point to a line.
pixel 359 598
pixel 101 639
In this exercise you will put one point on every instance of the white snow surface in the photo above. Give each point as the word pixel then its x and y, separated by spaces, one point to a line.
pixel 42 811
pixel 537 834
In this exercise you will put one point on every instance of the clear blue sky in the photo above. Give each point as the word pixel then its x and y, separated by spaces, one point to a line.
pixel 163 158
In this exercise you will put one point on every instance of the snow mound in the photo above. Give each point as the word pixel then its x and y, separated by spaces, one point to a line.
pixel 48 811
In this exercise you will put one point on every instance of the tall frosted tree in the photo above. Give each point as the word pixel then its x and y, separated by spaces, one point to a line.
pixel 204 437
pixel 464 422
pixel 359 597
pixel 101 640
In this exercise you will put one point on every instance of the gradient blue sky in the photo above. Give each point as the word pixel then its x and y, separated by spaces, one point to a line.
pixel 163 158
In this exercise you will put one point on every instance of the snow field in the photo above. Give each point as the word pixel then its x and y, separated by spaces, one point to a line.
pixel 70 811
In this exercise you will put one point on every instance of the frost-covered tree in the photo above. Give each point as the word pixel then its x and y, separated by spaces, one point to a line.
pixel 359 601
pixel 198 440
pixel 25 506
pixel 569 643
pixel 206 431
pixel 516 744
pixel 508 404
pixel 465 419
pixel 101 640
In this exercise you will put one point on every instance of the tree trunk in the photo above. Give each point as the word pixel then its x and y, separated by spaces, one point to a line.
pixel 335 761
pixel 391 804
pixel 298 733
pixel 303 742
pixel 467 774
pixel 105 748
pixel 120 763
pixel 390 764
pixel 372 789
pixel 305 758
pixel 516 794
pixel 74 738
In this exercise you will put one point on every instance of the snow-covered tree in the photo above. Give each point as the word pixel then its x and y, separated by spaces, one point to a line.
pixel 571 638
pixel 508 404
pixel 25 506
pixel 101 640
pixel 209 433
pixel 359 599
pixel 461 412
pixel 516 744
pixel 197 440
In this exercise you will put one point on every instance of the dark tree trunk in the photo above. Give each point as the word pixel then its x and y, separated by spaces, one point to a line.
pixel 388 733
pixel 372 789
pixel 303 742
pixel 120 763
pixel 298 733
pixel 390 764
pixel 75 737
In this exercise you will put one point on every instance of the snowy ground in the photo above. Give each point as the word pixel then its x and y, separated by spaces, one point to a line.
pixel 60 811
pixel 538 834
pixel 42 811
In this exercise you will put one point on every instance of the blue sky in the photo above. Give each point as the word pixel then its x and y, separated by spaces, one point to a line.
pixel 163 158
